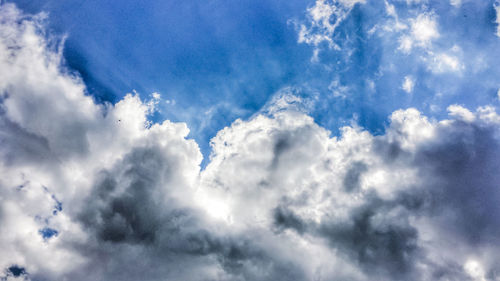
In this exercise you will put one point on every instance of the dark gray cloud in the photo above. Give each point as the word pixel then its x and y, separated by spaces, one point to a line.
pixel 128 209
pixel 376 246
pixel 131 213
pixel 461 172
pixel 19 146
pixel 378 243
pixel 352 177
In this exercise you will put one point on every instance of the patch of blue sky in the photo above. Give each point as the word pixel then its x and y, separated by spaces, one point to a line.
pixel 48 233
pixel 215 61
pixel 16 271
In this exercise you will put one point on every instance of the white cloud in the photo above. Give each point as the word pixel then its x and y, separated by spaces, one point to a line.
pixel 280 199
pixel 316 180
pixel 461 113
pixel 456 3
pixel 408 84
pixel 423 30
pixel 397 25
pixel 325 16
pixel 405 44
pixel 443 62
pixel 416 37
pixel 475 270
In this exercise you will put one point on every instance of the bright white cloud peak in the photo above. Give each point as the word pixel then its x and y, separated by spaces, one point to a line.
pixel 96 192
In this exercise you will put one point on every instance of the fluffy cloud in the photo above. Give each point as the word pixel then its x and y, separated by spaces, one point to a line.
pixel 382 204
pixel 423 29
pixel 95 191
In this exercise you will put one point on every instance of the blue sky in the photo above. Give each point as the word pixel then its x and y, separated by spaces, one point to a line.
pixel 222 60
pixel 227 57
pixel 250 140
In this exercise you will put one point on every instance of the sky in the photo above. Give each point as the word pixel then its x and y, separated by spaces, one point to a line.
pixel 249 140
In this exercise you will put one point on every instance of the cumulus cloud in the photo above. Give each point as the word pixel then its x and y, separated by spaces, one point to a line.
pixel 96 191
pixel 381 203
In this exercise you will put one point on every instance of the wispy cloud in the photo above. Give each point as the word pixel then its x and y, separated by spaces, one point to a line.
pixel 324 18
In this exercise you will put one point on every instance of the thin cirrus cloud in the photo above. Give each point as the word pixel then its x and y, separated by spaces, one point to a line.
pixel 96 191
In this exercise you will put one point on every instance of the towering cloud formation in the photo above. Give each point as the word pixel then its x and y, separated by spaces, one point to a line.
pixel 96 192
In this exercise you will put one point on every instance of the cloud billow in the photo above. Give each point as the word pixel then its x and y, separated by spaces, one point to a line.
pixel 97 192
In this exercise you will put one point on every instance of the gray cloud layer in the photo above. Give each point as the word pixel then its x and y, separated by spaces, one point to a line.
pixel 95 192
